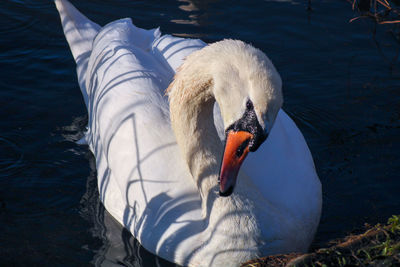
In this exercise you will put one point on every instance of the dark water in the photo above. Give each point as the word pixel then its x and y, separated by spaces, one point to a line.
pixel 341 86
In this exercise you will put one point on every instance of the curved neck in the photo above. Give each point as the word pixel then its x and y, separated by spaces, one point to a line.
pixel 191 108
pixel 197 137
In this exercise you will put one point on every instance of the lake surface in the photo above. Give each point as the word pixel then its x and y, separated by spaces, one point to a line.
pixel 341 87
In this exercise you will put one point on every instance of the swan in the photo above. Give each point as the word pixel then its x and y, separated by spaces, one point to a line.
pixel 171 121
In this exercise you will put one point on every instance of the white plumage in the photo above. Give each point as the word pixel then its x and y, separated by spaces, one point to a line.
pixel 158 177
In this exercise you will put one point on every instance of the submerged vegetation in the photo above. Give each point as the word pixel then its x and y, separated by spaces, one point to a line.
pixel 377 246
pixel 381 11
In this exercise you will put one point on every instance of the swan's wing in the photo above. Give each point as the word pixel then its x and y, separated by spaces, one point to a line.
pixel 129 119
pixel 172 50
pixel 79 32
pixel 141 176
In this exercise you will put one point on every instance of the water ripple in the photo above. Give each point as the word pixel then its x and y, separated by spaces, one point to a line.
pixel 17 25
pixel 11 157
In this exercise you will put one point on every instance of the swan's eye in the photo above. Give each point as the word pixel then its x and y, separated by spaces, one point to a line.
pixel 241 148
pixel 249 104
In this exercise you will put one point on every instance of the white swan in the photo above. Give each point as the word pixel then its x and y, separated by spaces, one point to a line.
pixel 159 163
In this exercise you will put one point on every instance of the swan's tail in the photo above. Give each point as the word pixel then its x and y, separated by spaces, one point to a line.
pixel 78 29
pixel 79 32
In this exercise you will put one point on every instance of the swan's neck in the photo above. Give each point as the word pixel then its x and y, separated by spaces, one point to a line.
pixel 191 106
pixel 193 124
pixel 192 121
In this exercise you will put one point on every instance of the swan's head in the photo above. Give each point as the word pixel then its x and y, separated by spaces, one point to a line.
pixel 248 90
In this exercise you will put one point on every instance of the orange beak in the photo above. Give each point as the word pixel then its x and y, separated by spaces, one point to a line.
pixel 236 150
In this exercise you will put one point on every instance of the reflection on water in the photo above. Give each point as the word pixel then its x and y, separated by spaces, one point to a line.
pixel 341 87
pixel 190 6
pixel 196 14
pixel 73 132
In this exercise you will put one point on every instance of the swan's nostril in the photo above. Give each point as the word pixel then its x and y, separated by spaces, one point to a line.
pixel 242 147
